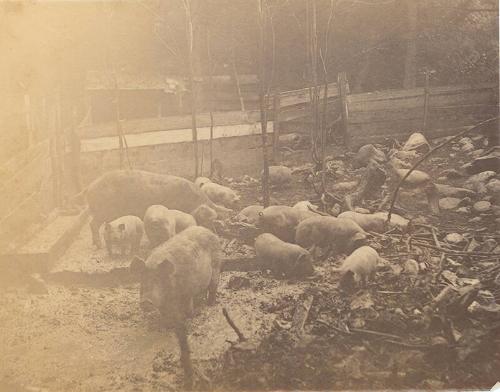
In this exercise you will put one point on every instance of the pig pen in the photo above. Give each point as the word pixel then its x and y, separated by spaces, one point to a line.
pixel 90 335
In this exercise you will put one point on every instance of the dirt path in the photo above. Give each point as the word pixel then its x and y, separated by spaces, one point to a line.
pixel 97 339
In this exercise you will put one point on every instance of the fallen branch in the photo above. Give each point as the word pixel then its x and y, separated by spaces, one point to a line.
pixel 241 337
pixel 301 314
pixel 454 252
pixel 432 151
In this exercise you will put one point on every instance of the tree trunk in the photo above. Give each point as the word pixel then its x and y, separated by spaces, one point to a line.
pixel 194 130
pixel 263 100
pixel 411 45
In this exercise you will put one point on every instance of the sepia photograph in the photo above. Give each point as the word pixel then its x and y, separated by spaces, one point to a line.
pixel 249 195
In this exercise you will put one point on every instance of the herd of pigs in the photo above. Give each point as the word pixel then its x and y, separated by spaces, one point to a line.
pixel 185 254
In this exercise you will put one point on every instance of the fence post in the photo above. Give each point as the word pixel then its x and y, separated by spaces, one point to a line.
pixel 75 153
pixel 276 126
pixel 343 91
pixel 426 101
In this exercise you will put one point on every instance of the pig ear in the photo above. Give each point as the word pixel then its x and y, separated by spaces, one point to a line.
pixel 121 227
pixel 137 266
pixel 167 267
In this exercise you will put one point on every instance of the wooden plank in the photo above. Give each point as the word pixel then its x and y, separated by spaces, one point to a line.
pixel 43 250
pixel 417 92
pixel 301 96
pixel 394 114
pixel 168 123
pixel 485 96
pixel 437 120
pixel 301 111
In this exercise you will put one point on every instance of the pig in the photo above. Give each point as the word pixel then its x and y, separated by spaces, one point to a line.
pixel 205 216
pixel 220 194
pixel 125 232
pixel 250 214
pixel 281 221
pixel 159 224
pixel 368 222
pixel 183 220
pixel 131 192
pixel 200 181
pixel 283 258
pixel 279 175
pixel 358 268
pixel 186 266
pixel 335 234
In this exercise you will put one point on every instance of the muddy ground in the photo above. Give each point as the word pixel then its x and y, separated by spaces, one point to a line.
pixel 81 338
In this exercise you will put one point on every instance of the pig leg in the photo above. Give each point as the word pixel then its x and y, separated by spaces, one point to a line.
pixel 212 287
pixel 187 366
pixel 94 227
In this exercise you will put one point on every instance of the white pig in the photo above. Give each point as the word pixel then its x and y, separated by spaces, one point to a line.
pixel 224 195
pixel 335 234
pixel 359 267
pixel 159 224
pixel 125 232
pixel 200 181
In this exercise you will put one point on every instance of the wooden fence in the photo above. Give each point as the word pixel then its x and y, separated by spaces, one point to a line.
pixel 374 117
pixel 31 180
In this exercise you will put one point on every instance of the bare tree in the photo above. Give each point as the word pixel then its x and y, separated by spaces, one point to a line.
pixel 263 97
pixel 190 41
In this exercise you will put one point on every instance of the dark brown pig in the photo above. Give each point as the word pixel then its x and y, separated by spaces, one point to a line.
pixel 281 221
pixel 335 234
pixel 177 271
pixel 159 224
pixel 283 258
pixel 131 192
pixel 126 232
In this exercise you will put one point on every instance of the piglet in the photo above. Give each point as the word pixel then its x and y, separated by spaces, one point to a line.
pixel 159 224
pixel 220 194
pixel 281 221
pixel 282 258
pixel 358 268
pixel 250 214
pixel 335 234
pixel 125 232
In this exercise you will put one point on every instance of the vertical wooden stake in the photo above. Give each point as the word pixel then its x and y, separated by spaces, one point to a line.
pixel 343 91
pixel 75 154
pixel 276 127
pixel 426 101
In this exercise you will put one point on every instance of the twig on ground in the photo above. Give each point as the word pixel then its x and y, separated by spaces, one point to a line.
pixel 241 337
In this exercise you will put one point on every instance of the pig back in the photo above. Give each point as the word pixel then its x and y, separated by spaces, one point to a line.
pixel 195 254
pixel 281 221
pixel 131 192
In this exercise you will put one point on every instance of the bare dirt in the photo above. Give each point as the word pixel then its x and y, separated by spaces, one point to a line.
pixel 81 338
